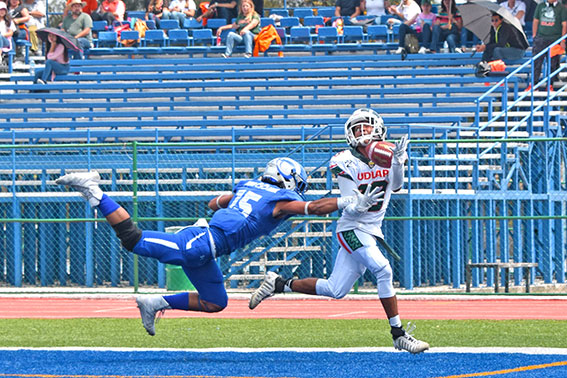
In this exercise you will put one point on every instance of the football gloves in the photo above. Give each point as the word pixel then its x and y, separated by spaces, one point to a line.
pixel 400 155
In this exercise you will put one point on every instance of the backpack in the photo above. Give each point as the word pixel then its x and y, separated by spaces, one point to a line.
pixel 411 43
pixel 141 27
pixel 484 69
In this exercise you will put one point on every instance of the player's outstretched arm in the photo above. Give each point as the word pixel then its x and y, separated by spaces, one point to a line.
pixel 321 206
pixel 220 202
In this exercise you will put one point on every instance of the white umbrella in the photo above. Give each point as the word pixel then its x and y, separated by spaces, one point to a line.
pixel 477 15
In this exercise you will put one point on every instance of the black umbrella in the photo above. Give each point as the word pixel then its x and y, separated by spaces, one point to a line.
pixel 69 41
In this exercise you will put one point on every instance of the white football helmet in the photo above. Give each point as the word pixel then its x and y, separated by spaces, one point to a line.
pixel 363 117
pixel 286 173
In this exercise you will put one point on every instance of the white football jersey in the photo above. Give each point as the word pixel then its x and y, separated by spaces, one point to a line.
pixel 358 174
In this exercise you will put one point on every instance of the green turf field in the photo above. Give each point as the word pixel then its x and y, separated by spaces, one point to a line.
pixel 256 333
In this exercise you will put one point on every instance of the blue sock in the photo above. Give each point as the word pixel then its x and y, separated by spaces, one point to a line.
pixel 107 205
pixel 178 301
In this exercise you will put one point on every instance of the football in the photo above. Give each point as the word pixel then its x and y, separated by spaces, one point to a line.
pixel 381 153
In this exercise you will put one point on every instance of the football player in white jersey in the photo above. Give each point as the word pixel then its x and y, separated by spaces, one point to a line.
pixel 359 227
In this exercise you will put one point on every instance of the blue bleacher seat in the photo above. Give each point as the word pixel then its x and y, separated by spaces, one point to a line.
pixel 107 39
pixel 377 33
pixel 326 12
pixel 265 21
pixel 299 34
pixel 168 24
pixel 99 26
pixel 302 12
pixel 129 35
pixel 136 14
pixel 312 21
pixel 353 33
pixel 151 24
pixel 215 23
pixel 191 23
pixel 288 22
pixel 154 37
pixel 203 36
pixel 327 34
pixel 280 12
pixel 178 37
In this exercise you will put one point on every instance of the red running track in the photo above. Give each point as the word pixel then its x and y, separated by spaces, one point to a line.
pixel 495 309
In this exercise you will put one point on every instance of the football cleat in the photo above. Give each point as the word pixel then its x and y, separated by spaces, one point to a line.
pixel 85 183
pixel 266 289
pixel 410 343
pixel 149 307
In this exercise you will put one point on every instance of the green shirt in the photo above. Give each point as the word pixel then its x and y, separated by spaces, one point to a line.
pixel 74 26
pixel 242 23
pixel 550 20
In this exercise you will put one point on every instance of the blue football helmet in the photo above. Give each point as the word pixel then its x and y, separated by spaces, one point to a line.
pixel 286 173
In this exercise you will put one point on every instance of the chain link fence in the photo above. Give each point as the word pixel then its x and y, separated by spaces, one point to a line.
pixel 463 200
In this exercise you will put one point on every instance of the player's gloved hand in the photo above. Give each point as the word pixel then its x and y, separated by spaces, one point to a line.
pixel 368 199
pixel 400 155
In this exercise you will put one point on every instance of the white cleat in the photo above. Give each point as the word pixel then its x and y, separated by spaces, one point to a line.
pixel 266 289
pixel 85 183
pixel 410 343
pixel 149 307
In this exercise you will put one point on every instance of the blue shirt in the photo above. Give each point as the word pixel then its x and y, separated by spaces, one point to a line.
pixel 249 215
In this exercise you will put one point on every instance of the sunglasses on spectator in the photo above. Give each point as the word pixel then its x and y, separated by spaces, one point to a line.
pixel 495 20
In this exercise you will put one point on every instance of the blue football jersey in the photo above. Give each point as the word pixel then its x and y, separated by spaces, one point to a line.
pixel 249 213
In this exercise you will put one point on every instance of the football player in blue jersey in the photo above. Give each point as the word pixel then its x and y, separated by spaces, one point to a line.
pixel 255 208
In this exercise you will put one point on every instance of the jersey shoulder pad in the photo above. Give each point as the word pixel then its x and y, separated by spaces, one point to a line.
pixel 343 163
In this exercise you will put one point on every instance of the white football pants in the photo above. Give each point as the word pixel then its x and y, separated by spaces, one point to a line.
pixel 351 263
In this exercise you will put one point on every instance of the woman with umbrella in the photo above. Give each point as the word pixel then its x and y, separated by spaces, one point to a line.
pixel 57 62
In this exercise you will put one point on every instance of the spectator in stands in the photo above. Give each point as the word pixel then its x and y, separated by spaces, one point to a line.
pixel 79 25
pixel 89 8
pixel 110 11
pixel 37 10
pixel 550 24
pixel 347 8
pixel 376 8
pixel 182 9
pixel 259 7
pixel 359 232
pixel 7 29
pixel 57 62
pixel 20 16
pixel 424 23
pixel 504 42
pixel 406 13
pixel 158 10
pixel 447 27
pixel 226 9
pixel 517 8
pixel 255 208
pixel 246 26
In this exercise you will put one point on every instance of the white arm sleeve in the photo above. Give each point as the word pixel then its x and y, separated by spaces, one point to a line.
pixel 397 176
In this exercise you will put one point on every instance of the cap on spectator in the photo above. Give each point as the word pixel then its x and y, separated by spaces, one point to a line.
pixel 77 2
pixel 3 5
pixel 428 2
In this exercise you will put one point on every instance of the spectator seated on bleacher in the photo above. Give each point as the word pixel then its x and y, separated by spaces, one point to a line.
pixel 158 10
pixel 447 27
pixel 347 8
pixel 407 13
pixel 182 9
pixel 7 29
pixel 110 11
pixel 246 26
pixel 57 62
pixel 505 42
pixel 374 8
pixel 79 25
pixel 20 16
pixel 218 9
pixel 423 25
pixel 37 10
